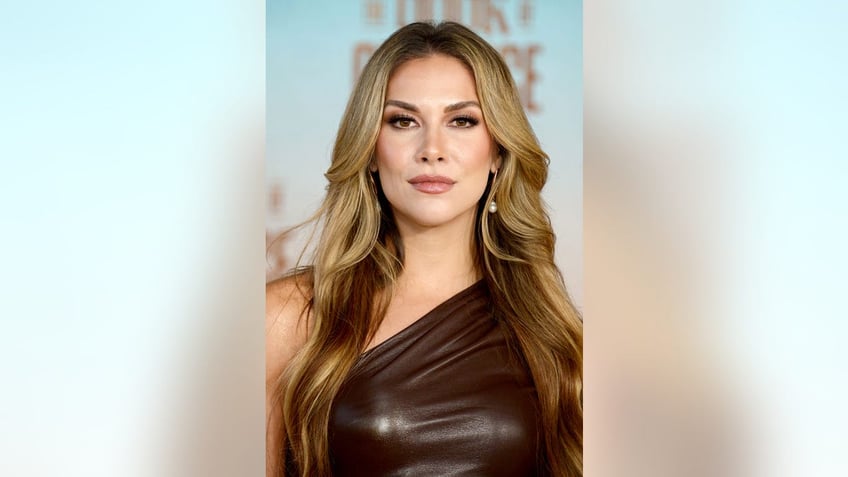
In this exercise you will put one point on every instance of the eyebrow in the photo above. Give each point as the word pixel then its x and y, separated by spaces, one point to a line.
pixel 449 108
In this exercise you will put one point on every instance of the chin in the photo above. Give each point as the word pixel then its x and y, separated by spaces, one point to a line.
pixel 434 218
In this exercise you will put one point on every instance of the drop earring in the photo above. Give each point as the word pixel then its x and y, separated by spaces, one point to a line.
pixel 493 206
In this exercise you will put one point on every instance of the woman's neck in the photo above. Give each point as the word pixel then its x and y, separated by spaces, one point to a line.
pixel 439 259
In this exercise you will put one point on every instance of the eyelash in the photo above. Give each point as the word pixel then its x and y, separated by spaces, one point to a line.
pixel 395 119
pixel 472 121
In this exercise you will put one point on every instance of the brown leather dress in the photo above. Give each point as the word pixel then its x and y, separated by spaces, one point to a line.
pixel 440 398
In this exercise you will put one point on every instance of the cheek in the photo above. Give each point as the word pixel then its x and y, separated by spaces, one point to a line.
pixel 389 154
pixel 483 151
pixel 389 163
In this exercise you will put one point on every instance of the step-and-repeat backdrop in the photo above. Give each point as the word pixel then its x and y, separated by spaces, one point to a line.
pixel 317 48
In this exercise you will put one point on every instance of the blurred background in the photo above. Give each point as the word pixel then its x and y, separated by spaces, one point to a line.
pixel 133 198
pixel 715 232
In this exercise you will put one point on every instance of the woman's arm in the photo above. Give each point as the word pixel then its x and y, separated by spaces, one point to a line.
pixel 285 334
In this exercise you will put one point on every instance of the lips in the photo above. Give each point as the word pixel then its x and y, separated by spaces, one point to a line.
pixel 432 184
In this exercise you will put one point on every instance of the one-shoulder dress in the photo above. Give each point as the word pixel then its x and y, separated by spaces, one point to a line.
pixel 443 397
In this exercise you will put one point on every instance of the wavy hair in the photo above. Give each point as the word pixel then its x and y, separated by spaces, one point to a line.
pixel 360 249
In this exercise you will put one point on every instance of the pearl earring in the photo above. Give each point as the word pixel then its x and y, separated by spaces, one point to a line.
pixel 493 206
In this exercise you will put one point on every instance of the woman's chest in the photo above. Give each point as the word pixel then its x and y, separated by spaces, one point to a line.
pixel 425 406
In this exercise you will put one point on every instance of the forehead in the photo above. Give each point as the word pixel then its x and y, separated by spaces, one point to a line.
pixel 436 76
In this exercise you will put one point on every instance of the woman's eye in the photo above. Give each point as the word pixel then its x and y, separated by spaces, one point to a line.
pixel 465 122
pixel 402 122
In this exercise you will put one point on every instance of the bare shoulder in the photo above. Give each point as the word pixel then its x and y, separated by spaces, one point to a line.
pixel 286 322
pixel 286 329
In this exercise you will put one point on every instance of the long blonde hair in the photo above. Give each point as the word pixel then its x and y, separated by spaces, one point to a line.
pixel 359 256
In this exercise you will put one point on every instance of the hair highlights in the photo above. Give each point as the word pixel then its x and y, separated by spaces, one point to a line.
pixel 360 249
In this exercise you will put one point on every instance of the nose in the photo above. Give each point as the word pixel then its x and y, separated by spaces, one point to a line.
pixel 432 147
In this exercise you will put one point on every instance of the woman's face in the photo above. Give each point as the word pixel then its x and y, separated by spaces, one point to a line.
pixel 434 151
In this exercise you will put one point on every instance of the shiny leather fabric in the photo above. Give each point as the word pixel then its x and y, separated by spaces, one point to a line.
pixel 440 398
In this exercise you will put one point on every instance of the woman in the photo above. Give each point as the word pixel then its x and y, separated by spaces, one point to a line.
pixel 432 333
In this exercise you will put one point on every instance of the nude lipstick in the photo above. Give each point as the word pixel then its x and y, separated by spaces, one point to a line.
pixel 432 184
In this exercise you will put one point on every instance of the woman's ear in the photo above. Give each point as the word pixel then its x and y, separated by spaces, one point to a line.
pixel 498 161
